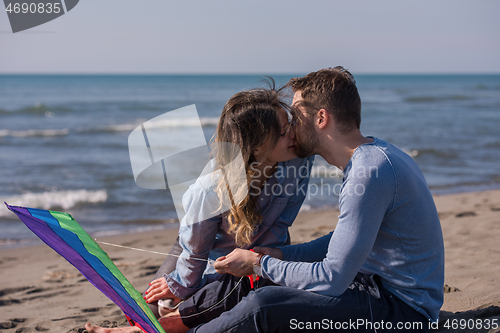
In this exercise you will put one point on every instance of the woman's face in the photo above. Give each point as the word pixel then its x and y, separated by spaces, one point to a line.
pixel 285 148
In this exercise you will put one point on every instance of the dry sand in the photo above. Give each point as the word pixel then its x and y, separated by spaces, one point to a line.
pixel 40 291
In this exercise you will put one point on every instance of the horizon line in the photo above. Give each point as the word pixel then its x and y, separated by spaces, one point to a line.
pixel 230 73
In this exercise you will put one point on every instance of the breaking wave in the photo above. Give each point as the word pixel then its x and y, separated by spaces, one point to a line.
pixel 173 123
pixel 427 99
pixel 38 109
pixel 53 200
pixel 170 123
pixel 33 132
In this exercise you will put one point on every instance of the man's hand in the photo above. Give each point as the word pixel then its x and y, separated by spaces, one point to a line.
pixel 158 289
pixel 238 263
pixel 275 253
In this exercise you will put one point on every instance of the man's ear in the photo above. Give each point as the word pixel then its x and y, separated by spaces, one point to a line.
pixel 323 117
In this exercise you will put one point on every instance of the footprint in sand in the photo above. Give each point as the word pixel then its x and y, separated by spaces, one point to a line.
pixel 12 323
pixel 13 290
pixel 149 270
pixel 91 310
pixel 59 276
pixel 448 289
pixel 11 300
pixel 465 214
pixel 23 294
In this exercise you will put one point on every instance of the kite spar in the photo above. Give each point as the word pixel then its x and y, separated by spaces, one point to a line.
pixel 65 236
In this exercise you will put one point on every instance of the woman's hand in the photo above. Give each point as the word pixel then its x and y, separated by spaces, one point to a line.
pixel 275 253
pixel 238 263
pixel 158 289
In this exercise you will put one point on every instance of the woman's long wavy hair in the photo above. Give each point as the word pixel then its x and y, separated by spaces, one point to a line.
pixel 248 120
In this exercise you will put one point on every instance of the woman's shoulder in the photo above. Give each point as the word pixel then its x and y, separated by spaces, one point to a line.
pixel 200 201
pixel 203 187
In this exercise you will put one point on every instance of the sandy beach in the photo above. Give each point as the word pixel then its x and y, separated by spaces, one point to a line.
pixel 40 291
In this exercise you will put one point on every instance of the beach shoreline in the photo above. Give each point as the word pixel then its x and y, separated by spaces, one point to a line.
pixel 171 223
pixel 43 292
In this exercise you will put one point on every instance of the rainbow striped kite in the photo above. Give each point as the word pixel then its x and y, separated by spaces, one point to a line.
pixel 63 234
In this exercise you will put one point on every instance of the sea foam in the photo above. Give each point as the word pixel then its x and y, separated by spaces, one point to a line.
pixel 170 123
pixel 55 199
pixel 33 132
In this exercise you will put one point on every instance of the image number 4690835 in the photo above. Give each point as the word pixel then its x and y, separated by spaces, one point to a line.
pixel 26 14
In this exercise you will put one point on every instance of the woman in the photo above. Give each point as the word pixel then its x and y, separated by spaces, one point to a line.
pixel 257 122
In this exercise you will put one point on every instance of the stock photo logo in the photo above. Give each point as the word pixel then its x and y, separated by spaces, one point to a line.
pixel 166 156
pixel 26 14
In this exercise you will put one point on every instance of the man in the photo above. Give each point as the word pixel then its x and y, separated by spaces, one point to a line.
pixel 382 268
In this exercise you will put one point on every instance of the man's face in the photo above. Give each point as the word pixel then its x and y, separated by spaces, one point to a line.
pixel 306 138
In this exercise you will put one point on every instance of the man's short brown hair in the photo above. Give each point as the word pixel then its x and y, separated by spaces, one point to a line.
pixel 332 89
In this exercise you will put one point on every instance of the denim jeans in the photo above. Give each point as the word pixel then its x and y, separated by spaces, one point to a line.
pixel 364 307
pixel 210 294
pixel 217 297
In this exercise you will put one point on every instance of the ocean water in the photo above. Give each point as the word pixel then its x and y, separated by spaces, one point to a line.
pixel 64 139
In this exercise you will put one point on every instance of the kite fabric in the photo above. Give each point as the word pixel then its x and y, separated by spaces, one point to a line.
pixel 63 234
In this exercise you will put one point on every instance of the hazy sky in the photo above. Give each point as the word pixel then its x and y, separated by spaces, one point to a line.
pixel 257 36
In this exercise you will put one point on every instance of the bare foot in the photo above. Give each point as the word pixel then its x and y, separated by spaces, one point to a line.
pixel 171 323
pixel 96 329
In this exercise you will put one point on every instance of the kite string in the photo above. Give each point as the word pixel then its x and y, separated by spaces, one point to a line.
pixel 169 254
pixel 211 262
